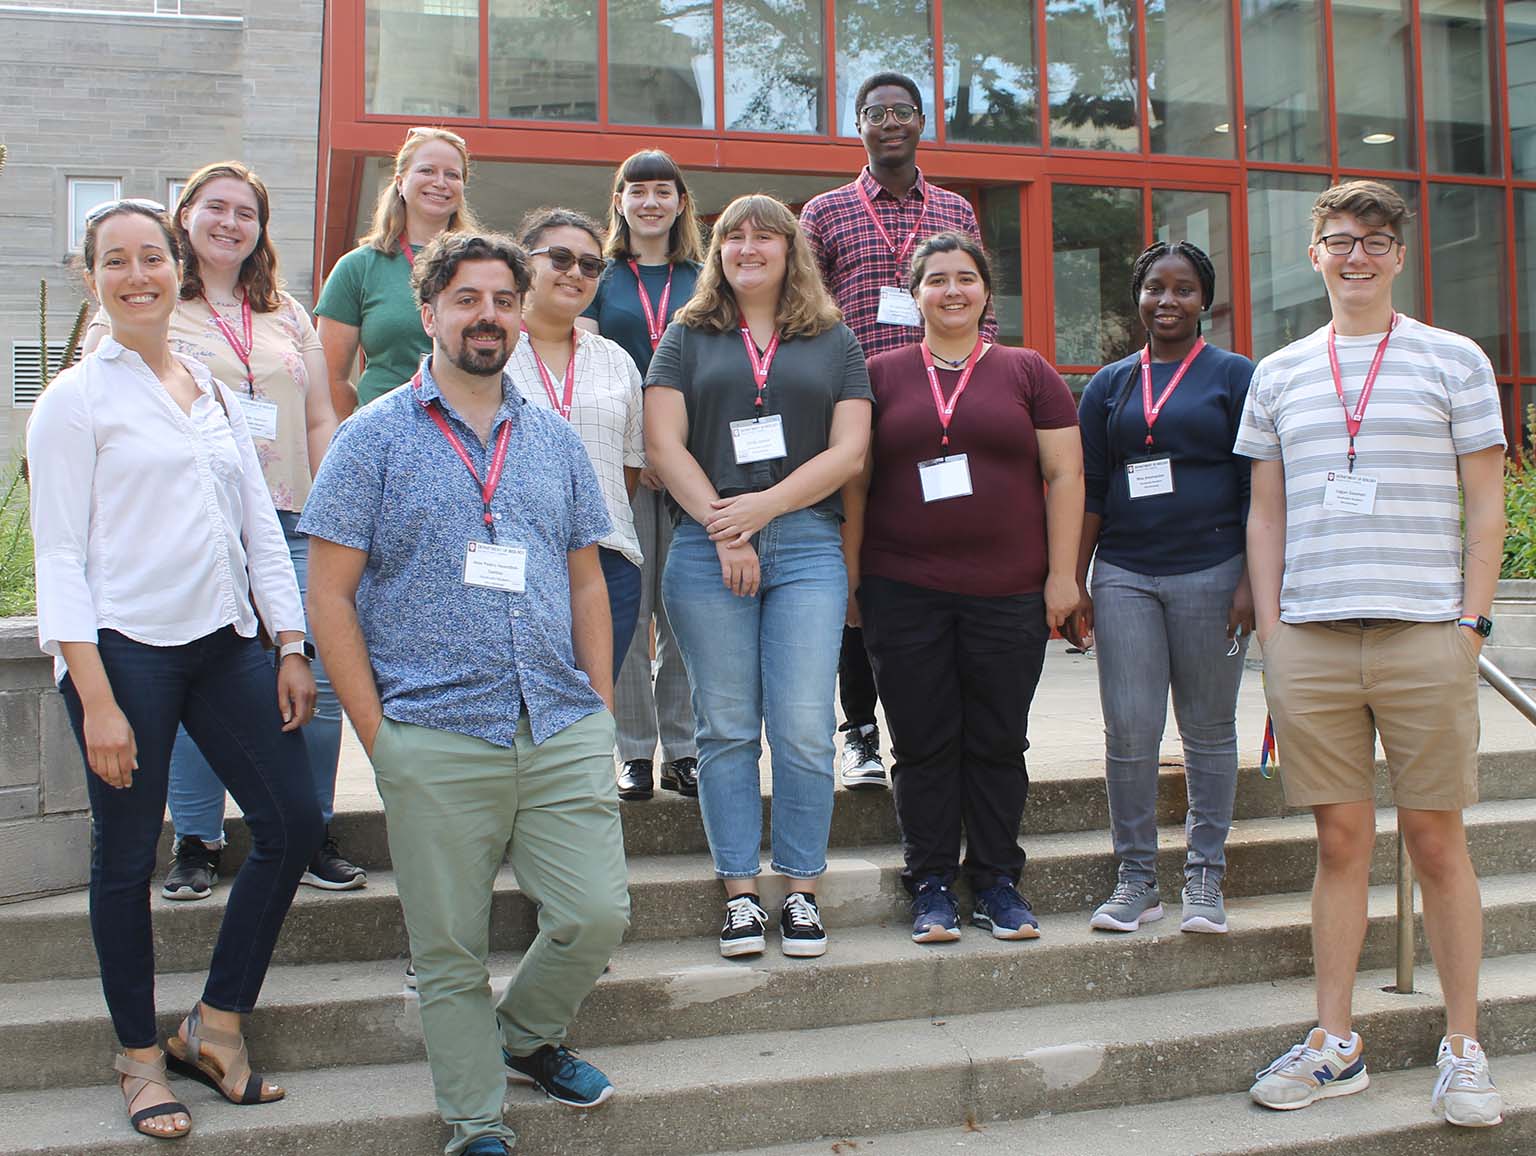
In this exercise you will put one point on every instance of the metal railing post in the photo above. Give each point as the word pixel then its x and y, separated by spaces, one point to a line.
pixel 1405 950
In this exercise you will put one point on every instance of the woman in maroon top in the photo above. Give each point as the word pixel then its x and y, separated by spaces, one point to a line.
pixel 962 556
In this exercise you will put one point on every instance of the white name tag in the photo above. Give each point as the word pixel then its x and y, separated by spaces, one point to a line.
pixel 260 416
pixel 1148 477
pixel 758 439
pixel 1350 493
pixel 897 307
pixel 943 478
pixel 496 567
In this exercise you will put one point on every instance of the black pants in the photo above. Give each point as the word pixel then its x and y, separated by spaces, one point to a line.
pixel 855 681
pixel 957 673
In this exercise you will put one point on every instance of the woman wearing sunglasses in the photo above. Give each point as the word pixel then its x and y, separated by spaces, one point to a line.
pixel 591 382
pixel 367 302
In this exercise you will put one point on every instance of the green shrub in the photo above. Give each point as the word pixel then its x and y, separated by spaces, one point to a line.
pixel 18 594
pixel 1520 512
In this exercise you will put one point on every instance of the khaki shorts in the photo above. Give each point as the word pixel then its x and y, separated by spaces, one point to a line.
pixel 1333 686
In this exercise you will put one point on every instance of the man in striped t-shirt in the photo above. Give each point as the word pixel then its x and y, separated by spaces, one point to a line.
pixel 1372 612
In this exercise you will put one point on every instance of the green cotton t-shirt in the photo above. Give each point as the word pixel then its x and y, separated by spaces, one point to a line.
pixel 372 291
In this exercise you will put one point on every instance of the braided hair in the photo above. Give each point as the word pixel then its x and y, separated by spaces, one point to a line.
pixel 1191 252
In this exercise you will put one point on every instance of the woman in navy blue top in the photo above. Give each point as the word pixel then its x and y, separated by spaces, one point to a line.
pixel 1168 604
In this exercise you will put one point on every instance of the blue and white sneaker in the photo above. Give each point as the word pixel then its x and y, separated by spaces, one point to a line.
pixel 1001 910
pixel 1309 1072
pixel 561 1075
pixel 935 919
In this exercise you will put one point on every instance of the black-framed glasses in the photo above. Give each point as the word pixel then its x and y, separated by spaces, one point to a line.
pixel 562 259
pixel 1374 244
pixel 875 114
pixel 116 203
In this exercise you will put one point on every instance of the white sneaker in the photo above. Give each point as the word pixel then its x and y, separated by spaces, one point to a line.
pixel 861 763
pixel 1464 1094
pixel 1309 1072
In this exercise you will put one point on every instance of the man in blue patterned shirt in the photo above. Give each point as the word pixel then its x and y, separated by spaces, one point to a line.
pixel 456 595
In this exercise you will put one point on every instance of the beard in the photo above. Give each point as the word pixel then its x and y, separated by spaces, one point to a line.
pixel 482 362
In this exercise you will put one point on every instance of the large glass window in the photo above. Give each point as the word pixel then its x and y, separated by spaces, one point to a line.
pixel 990 83
pixel 1283 72
pixel 401 78
pixel 1000 234
pixel 1467 266
pixel 1091 74
pixel 1202 219
pixel 1286 294
pixel 1096 235
pixel 1373 92
pixel 1458 85
pixel 883 36
pixel 544 59
pixel 1525 266
pixel 1408 289
pixel 1520 54
pixel 1189 65
pixel 774 63
pixel 661 62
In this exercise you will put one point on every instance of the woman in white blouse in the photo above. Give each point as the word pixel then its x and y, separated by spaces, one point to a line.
pixel 157 546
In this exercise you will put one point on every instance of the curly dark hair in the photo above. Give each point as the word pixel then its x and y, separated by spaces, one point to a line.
pixel 436 264
pixel 1194 254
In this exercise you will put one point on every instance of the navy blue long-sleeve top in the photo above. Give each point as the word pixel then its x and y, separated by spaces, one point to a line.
pixel 1201 523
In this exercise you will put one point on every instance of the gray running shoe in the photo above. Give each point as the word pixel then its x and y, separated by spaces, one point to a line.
pixel 1203 908
pixel 1309 1072
pixel 1464 1093
pixel 1132 903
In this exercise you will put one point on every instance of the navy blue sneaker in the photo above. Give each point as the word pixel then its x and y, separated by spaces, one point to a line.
pixel 1003 911
pixel 935 919
pixel 487 1146
pixel 561 1074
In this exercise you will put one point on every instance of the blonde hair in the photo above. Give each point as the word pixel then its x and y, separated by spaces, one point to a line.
pixel 683 241
pixel 389 211
pixel 805 307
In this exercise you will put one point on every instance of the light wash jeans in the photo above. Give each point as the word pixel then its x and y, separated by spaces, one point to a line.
pixel 1152 633
pixel 767 659
pixel 196 794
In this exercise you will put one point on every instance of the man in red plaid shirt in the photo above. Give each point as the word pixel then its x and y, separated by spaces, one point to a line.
pixel 864 234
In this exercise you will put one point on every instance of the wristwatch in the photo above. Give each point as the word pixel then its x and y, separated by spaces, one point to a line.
pixel 304 648
pixel 1482 625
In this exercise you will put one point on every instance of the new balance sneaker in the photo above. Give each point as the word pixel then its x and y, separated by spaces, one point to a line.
pixel 745 923
pixel 330 872
pixel 801 933
pixel 682 775
pixel 194 870
pixel 635 782
pixel 862 767
pixel 1309 1072
pixel 1464 1094
pixel 1132 903
pixel 1001 910
pixel 935 918
pixel 560 1074
pixel 1203 908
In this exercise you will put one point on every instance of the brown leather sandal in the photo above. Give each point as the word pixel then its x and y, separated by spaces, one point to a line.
pixel 238 1084
pixel 138 1075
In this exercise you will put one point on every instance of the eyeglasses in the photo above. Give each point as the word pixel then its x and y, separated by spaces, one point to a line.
pixel 1374 244
pixel 875 114
pixel 112 206
pixel 562 259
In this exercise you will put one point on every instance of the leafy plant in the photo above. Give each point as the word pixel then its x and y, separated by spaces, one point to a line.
pixel 1520 510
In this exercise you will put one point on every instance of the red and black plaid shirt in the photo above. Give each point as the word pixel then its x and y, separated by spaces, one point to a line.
pixel 855 260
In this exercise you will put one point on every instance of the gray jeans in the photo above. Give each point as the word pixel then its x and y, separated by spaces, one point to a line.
pixel 1153 633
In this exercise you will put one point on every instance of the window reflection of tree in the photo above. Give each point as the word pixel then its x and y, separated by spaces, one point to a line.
pixel 544 59
pixel 654 49
pixel 1096 234
pixel 1092 73
pixel 989 52
pixel 773 65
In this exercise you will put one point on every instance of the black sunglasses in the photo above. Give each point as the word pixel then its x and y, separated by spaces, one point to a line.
pixel 562 259
pixel 116 203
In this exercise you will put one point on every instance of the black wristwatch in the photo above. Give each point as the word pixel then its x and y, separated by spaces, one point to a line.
pixel 1482 625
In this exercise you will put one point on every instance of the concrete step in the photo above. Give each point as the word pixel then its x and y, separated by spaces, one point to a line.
pixel 1391 1118
pixel 55 1033
pixel 680 1097
pixel 676 896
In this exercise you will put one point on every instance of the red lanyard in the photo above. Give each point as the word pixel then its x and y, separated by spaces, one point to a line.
pixel 906 247
pixel 410 254
pixel 1153 408
pixel 241 343
pixel 655 321
pixel 760 365
pixel 498 458
pixel 560 406
pixel 1352 419
pixel 947 408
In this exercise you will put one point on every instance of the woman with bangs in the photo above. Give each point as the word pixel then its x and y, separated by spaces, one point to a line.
pixel 367 302
pixel 757 413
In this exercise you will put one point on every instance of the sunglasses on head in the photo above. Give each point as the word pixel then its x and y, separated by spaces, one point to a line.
pixel 562 259
pixel 112 206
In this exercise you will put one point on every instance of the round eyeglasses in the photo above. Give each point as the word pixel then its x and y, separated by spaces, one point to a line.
pixel 875 114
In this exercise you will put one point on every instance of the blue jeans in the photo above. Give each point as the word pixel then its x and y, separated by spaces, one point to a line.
pixel 1153 633
pixel 623 580
pixel 768 659
pixel 223 689
pixel 197 796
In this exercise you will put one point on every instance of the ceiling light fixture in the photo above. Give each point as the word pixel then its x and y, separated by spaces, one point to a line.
pixel 1378 138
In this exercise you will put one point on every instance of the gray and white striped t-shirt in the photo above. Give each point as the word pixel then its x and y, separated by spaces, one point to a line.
pixel 1434 399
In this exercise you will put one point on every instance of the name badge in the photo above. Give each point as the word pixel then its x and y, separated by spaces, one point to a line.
pixel 898 308
pixel 496 567
pixel 1150 476
pixel 758 439
pixel 1350 493
pixel 260 416
pixel 942 478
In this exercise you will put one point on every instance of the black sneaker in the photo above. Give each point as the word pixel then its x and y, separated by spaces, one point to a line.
pixel 194 870
pixel 635 780
pixel 800 931
pixel 560 1074
pixel 330 872
pixel 681 775
pixel 745 923
pixel 410 974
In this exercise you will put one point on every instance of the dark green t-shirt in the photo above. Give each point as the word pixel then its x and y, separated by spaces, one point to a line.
pixel 616 305
pixel 372 291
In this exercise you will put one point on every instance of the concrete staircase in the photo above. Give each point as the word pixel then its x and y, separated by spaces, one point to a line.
pixel 1078 1042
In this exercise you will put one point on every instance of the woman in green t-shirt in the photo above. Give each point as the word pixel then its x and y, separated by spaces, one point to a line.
pixel 367 300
